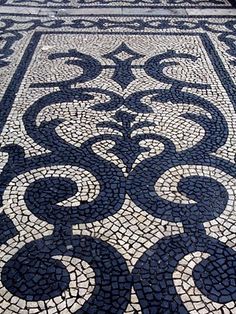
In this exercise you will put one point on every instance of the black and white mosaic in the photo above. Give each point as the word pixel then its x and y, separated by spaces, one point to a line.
pixel 118 174
pixel 115 3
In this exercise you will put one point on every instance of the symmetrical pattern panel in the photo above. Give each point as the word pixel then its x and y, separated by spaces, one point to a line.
pixel 118 174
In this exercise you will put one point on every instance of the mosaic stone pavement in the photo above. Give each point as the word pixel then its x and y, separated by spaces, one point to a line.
pixel 115 3
pixel 118 174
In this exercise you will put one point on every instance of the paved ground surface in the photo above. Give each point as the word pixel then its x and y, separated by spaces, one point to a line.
pixel 118 174
pixel 113 3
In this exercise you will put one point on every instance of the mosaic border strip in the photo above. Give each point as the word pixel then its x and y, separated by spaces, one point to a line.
pixel 66 5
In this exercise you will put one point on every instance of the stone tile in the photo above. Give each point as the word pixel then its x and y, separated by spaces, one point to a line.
pixel 213 11
pixel 153 12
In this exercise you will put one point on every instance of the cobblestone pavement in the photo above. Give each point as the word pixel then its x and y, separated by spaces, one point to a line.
pixel 117 160
pixel 113 3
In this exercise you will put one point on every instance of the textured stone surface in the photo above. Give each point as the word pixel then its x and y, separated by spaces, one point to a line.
pixel 112 3
pixel 117 161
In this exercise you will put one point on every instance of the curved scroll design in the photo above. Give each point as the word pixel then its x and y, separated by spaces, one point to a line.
pixel 39 269
pixel 90 66
pixel 156 290
pixel 36 273
pixel 154 67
